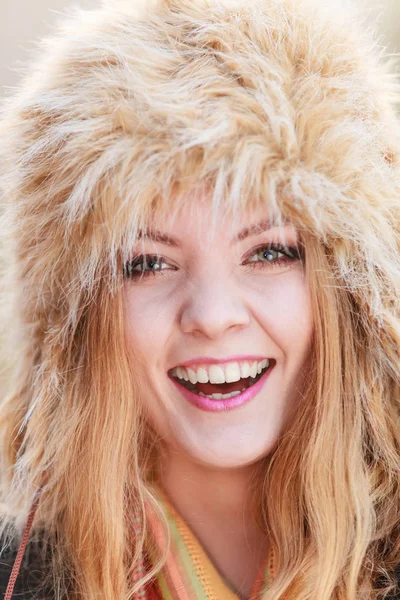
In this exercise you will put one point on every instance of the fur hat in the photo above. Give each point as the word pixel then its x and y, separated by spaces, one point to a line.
pixel 285 101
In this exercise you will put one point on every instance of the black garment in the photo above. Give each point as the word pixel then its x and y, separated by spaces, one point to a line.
pixel 29 586
pixel 29 583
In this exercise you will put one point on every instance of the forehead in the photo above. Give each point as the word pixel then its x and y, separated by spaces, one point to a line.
pixel 198 218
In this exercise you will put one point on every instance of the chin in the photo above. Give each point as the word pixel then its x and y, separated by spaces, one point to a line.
pixel 220 458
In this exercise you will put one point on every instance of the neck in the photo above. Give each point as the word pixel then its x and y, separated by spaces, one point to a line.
pixel 195 488
pixel 217 505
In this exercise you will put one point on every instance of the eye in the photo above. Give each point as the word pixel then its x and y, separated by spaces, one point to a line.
pixel 144 265
pixel 273 255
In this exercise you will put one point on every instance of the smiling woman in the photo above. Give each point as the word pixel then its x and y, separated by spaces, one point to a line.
pixel 201 284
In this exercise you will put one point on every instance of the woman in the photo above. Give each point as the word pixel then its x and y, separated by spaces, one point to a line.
pixel 201 286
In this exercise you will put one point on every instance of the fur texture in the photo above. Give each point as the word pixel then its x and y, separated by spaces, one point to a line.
pixel 128 108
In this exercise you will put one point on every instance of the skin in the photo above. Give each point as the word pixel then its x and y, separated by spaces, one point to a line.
pixel 206 302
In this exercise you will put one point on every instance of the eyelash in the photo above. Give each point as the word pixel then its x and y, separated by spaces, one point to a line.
pixel 291 255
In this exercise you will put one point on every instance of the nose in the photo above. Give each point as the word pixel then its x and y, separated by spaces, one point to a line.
pixel 212 307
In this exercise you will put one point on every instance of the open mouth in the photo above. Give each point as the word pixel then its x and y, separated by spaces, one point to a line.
pixel 215 382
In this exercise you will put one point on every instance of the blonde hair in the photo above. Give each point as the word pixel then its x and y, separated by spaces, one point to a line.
pixel 131 107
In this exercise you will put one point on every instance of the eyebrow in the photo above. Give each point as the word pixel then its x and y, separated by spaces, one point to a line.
pixel 163 238
pixel 264 225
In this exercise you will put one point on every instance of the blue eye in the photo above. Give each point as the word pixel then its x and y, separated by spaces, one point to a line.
pixel 136 267
pixel 269 256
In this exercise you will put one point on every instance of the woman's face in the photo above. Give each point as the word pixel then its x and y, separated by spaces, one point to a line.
pixel 218 305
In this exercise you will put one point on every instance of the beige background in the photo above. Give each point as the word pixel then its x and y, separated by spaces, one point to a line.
pixel 22 22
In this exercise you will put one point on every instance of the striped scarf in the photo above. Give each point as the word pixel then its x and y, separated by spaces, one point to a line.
pixel 189 573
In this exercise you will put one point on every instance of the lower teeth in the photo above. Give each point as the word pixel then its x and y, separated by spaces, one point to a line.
pixel 221 396
pixel 217 396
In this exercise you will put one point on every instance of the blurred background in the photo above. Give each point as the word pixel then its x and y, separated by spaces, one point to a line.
pixel 22 22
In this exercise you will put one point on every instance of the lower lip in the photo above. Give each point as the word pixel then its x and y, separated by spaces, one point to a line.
pixel 210 405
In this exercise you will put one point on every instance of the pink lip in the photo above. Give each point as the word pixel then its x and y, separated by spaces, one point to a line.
pixel 209 405
pixel 206 360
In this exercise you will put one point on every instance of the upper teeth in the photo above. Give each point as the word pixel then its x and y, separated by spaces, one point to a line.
pixel 222 373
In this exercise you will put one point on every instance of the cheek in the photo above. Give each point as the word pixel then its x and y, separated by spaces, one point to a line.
pixel 286 313
pixel 147 323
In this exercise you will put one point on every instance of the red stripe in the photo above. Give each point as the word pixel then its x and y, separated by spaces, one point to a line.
pixel 21 551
